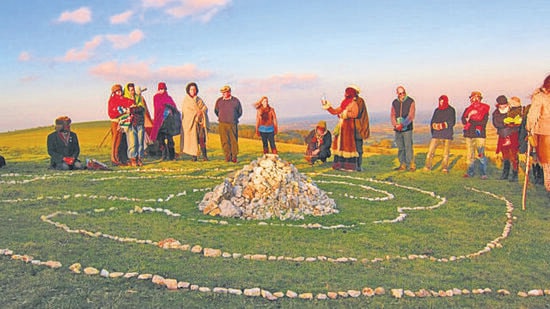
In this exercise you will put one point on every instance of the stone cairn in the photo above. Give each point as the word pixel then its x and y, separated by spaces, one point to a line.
pixel 268 187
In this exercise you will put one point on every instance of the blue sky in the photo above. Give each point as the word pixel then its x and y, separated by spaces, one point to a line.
pixel 61 57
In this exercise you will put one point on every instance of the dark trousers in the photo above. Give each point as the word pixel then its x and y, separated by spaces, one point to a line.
pixel 359 147
pixel 166 145
pixel 268 138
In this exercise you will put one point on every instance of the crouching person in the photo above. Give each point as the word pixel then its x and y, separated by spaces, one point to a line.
pixel 318 143
pixel 63 146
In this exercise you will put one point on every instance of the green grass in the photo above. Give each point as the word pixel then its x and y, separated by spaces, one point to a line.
pixel 463 225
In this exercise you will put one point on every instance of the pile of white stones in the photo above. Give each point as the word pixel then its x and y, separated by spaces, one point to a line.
pixel 268 187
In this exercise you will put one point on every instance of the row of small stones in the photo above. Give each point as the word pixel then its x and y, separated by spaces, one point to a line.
pixel 34 178
pixel 212 252
pixel 495 243
pixel 174 284
pixel 400 210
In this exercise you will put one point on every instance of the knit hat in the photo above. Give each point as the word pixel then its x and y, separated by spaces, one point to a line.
pixel 225 88
pixel 162 85
pixel 515 102
pixel 476 94
pixel 115 88
pixel 322 124
pixel 501 100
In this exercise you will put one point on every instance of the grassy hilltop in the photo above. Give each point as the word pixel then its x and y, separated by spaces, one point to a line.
pixel 395 230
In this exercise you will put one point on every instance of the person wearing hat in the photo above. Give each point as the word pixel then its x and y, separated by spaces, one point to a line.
pixel 228 109
pixel 475 119
pixel 344 145
pixel 318 143
pixel 362 126
pixel 538 125
pixel 117 108
pixel 165 108
pixel 441 126
pixel 507 120
pixel 402 117
pixel 63 146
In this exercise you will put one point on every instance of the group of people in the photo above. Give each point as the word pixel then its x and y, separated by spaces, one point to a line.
pixel 132 124
pixel 520 130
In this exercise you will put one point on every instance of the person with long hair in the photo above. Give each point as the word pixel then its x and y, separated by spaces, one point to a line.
pixel 194 116
pixel 343 145
pixel 538 125
pixel 266 124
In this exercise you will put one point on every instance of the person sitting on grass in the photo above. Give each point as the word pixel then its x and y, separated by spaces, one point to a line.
pixel 63 146
pixel 318 143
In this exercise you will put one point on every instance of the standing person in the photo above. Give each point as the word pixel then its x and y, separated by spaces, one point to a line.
pixel 402 116
pixel 536 168
pixel 135 134
pixel 343 145
pixel 164 107
pixel 228 109
pixel 63 146
pixel 508 141
pixel 193 110
pixel 538 125
pixel 318 143
pixel 118 107
pixel 266 124
pixel 475 119
pixel 362 127
pixel 441 126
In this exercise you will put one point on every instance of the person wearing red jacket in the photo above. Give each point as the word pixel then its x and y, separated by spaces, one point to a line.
pixel 117 107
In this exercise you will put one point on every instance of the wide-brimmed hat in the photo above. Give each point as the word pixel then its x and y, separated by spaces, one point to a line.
pixel 476 94
pixel 322 124
pixel 225 88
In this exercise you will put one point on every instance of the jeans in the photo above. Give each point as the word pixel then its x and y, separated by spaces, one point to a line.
pixel 473 145
pixel 268 137
pixel 405 153
pixel 136 141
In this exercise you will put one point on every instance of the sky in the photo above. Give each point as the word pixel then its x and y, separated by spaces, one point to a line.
pixel 62 57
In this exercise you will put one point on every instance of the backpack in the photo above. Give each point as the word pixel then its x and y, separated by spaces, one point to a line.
pixel 171 125
pixel 2 161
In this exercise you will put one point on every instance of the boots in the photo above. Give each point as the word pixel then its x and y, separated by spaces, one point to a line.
pixel 505 170
pixel 133 162
pixel 274 151
pixel 266 150
pixel 171 153
pixel 538 174
pixel 514 177
pixel 204 156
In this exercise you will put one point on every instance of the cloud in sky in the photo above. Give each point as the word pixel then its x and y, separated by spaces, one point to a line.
pixel 80 16
pixel 24 56
pixel 202 10
pixel 141 71
pixel 280 82
pixel 120 41
pixel 121 18
pixel 78 55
